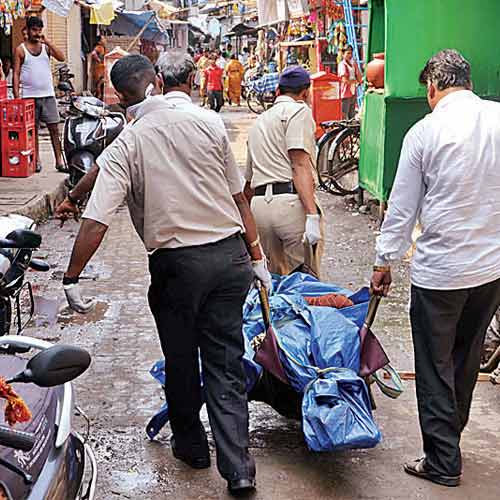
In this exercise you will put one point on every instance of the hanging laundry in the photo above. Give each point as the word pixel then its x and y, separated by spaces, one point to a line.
pixel 102 13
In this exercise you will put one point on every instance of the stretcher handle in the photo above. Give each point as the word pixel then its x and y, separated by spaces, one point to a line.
pixel 372 310
pixel 264 304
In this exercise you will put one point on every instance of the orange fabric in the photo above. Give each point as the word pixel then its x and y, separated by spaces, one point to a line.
pixel 98 67
pixel 16 409
pixel 330 300
pixel 234 72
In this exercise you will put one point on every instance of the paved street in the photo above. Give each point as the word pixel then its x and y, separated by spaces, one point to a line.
pixel 120 396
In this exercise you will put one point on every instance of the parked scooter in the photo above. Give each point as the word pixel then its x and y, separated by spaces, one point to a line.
pixel 16 249
pixel 45 458
pixel 88 130
pixel 65 85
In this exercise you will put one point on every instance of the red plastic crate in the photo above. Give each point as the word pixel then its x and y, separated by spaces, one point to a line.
pixel 18 138
pixel 3 90
pixel 17 113
pixel 18 163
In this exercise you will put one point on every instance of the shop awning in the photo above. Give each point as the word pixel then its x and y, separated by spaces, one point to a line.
pixel 131 23
pixel 241 30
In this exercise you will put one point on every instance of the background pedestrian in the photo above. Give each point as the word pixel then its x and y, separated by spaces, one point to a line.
pixel 97 67
pixel 33 73
pixel 234 71
pixel 214 77
pixel 351 77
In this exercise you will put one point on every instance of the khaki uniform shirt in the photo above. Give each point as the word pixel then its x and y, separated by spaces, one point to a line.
pixel 175 168
pixel 289 124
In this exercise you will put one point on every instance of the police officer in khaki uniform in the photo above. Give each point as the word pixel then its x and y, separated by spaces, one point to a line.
pixel 281 178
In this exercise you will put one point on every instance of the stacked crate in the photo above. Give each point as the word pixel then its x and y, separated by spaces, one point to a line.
pixel 18 139
pixel 3 90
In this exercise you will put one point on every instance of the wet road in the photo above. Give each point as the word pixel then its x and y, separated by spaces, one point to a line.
pixel 119 395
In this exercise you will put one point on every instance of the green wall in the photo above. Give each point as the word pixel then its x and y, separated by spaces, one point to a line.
pixel 417 29
pixel 410 32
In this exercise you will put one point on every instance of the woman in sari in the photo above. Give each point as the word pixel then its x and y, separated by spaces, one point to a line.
pixel 234 74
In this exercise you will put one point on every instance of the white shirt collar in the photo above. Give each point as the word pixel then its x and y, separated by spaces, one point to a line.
pixel 286 98
pixel 454 96
pixel 177 95
pixel 151 104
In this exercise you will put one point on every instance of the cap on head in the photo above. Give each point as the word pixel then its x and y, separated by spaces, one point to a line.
pixel 295 77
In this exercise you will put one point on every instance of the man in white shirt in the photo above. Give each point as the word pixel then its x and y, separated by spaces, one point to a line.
pixel 448 178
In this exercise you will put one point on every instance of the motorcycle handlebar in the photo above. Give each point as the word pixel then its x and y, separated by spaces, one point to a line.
pixel 6 243
pixel 19 440
pixel 39 265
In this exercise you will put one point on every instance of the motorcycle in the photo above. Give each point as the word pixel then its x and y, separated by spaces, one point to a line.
pixel 88 129
pixel 16 257
pixel 46 458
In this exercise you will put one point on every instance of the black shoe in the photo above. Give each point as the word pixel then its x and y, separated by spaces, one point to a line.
pixel 62 169
pixel 242 486
pixel 418 469
pixel 201 461
pixel 38 168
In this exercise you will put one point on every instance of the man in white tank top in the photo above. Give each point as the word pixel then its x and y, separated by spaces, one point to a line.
pixel 33 73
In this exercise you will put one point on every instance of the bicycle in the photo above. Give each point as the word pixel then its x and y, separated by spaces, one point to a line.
pixel 338 157
pixel 258 102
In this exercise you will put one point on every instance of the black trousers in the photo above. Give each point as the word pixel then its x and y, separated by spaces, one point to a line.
pixel 216 99
pixel 448 330
pixel 196 297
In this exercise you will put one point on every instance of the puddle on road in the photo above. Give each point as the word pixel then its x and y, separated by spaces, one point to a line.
pixel 69 317
pixel 132 480
pixel 46 311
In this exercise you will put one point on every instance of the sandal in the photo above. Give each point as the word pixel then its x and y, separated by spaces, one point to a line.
pixel 417 469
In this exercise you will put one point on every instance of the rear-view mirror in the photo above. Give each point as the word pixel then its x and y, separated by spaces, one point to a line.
pixel 54 366
pixel 21 238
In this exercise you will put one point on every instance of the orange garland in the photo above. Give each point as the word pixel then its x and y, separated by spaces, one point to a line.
pixel 16 410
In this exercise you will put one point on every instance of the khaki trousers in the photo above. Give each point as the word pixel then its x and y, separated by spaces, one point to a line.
pixel 281 222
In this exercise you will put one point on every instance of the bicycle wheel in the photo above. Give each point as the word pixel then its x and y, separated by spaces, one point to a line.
pixel 325 162
pixel 345 162
pixel 254 103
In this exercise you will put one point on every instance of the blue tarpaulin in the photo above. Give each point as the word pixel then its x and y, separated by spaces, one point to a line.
pixel 320 352
pixel 130 23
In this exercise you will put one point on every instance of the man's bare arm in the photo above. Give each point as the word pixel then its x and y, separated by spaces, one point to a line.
pixel 16 76
pixel 251 234
pixel 87 242
pixel 55 52
pixel 249 191
pixel 85 184
pixel 303 179
pixel 69 206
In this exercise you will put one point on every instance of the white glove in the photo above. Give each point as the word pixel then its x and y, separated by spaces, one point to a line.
pixel 313 229
pixel 76 301
pixel 262 274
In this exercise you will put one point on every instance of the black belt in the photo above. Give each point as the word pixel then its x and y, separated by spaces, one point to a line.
pixel 278 188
